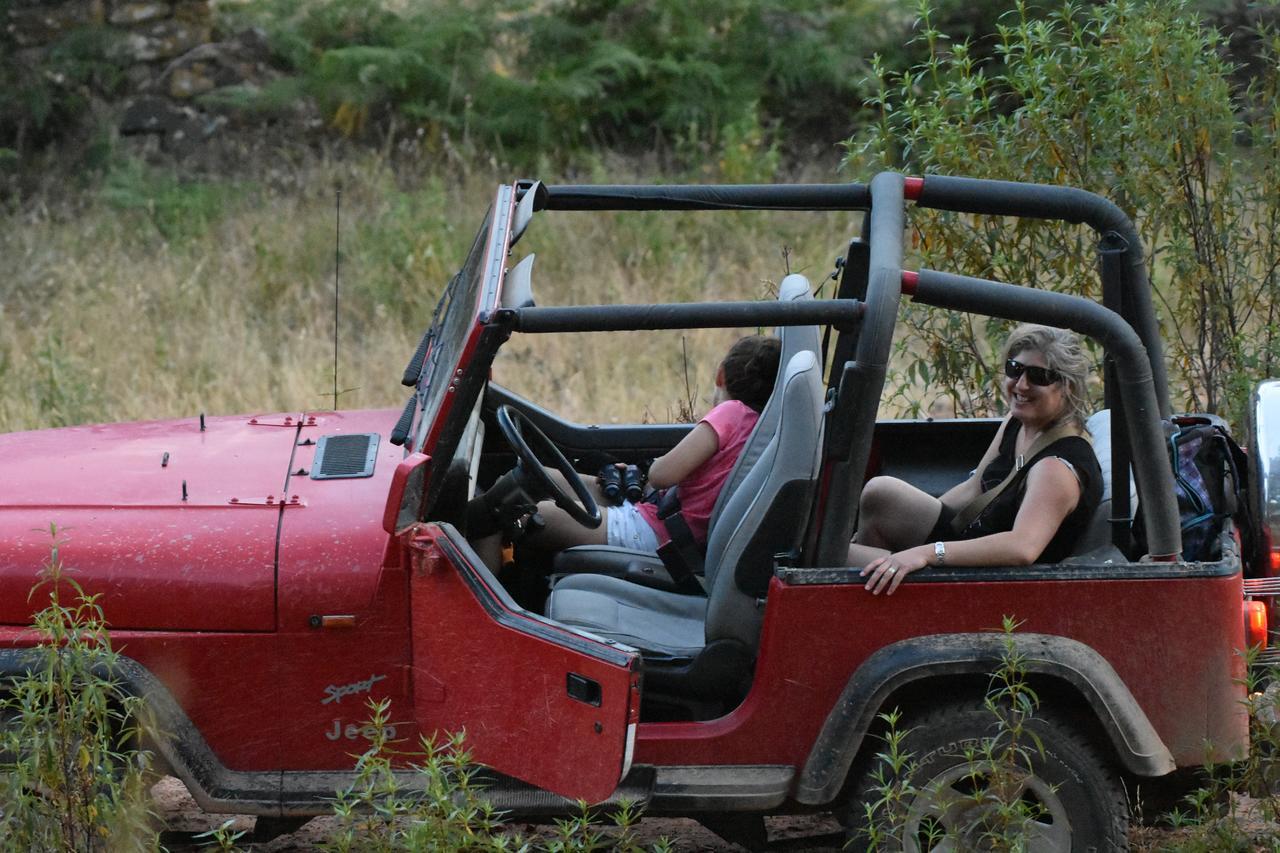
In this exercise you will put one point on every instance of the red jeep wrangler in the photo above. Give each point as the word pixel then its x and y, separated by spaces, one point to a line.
pixel 266 576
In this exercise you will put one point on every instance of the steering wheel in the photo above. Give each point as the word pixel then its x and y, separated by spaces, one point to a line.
pixel 532 446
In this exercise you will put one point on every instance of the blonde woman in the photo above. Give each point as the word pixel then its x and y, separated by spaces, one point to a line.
pixel 1054 482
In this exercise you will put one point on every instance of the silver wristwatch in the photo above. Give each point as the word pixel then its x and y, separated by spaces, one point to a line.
pixel 940 551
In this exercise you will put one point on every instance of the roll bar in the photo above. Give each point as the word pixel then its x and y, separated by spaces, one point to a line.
pixel 1125 323
pixel 708 197
pixel 844 314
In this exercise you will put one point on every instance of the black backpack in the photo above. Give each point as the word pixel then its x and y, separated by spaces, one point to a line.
pixel 1208 473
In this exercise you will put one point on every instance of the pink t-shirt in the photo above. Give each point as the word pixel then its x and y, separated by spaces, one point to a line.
pixel 732 421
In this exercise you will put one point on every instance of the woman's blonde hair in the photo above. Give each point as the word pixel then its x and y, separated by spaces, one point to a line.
pixel 1064 353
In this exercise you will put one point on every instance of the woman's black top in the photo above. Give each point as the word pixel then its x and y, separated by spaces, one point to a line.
pixel 999 515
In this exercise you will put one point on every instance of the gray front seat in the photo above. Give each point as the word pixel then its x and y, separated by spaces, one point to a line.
pixel 704 647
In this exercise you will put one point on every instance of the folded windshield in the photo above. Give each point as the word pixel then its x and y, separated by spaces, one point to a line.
pixel 451 322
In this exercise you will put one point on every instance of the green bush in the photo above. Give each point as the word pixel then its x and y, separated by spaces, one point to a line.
pixel 72 776
pixel 1129 99
pixel 177 208
pixel 438 803
pixel 523 80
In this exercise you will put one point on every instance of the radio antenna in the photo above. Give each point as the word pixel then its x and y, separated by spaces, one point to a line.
pixel 337 262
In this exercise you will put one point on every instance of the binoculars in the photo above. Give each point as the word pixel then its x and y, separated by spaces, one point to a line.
pixel 617 484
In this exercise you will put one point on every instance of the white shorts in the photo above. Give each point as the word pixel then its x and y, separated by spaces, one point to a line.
pixel 626 528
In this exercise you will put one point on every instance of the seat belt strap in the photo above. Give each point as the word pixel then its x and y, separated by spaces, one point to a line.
pixel 680 554
pixel 974 508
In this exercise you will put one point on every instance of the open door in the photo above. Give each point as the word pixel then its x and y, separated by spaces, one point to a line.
pixel 538 701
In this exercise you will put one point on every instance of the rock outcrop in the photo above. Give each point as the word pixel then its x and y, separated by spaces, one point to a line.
pixel 166 51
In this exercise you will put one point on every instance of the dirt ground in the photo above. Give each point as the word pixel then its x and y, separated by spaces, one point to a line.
pixel 184 820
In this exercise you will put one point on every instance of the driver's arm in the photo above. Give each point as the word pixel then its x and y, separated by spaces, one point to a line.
pixel 682 460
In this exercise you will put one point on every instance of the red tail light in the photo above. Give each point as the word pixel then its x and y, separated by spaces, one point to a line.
pixel 1255 624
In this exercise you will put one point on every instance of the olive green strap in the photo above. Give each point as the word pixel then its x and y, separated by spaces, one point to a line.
pixel 974 508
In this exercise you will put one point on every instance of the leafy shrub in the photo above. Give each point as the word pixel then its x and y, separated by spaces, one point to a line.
pixel 1130 99
pixel 176 208
pixel 72 776
pixel 438 803
pixel 531 79
pixel 994 808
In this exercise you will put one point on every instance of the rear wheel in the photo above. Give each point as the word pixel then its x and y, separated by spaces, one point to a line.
pixel 951 795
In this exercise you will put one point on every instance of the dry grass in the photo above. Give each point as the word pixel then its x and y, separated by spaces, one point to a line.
pixel 224 303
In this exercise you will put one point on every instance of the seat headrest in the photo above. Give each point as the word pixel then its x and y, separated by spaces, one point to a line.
pixel 1099 427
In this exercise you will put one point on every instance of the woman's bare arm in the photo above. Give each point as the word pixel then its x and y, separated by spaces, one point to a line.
pixel 686 457
pixel 1052 493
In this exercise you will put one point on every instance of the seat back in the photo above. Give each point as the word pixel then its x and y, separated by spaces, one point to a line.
pixel 1095 540
pixel 794 339
pixel 767 513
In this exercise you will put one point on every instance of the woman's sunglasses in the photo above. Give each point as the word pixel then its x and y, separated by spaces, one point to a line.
pixel 1035 375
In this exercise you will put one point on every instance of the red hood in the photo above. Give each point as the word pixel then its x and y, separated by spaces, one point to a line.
pixel 116 494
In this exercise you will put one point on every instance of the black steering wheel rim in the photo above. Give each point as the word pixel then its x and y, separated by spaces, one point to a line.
pixel 528 441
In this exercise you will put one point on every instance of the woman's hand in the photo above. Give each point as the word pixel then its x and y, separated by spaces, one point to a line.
pixel 887 572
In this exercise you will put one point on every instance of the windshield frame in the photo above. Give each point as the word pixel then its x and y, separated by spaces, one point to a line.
pixel 458 320
pixel 447 381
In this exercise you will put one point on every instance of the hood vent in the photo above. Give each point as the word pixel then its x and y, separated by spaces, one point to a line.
pixel 345 456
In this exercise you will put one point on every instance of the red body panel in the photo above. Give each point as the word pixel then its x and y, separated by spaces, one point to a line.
pixel 331 565
pixel 816 636
pixel 158 560
pixel 225 683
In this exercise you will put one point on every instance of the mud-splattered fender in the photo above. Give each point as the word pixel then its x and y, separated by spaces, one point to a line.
pixel 919 659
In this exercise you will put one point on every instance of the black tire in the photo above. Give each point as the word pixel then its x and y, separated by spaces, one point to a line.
pixel 1077 796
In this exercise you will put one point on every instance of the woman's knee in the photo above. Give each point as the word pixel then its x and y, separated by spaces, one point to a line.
pixel 563 531
pixel 881 494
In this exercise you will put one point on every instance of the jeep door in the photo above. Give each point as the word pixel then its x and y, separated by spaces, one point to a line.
pixel 538 701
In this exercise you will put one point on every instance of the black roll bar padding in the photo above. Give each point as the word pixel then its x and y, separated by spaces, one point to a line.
pixel 707 197
pixel 1136 384
pixel 858 402
pixel 841 313
pixel 853 285
pixel 1111 261
pixel 1069 204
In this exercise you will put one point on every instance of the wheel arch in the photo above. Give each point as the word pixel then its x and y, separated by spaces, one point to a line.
pixel 918 667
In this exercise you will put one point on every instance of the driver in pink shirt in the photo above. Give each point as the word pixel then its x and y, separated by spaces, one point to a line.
pixel 699 464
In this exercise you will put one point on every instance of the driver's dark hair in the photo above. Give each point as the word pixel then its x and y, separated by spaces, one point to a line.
pixel 750 369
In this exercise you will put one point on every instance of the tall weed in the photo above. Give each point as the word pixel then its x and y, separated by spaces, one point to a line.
pixel 439 804
pixel 73 777
pixel 990 806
